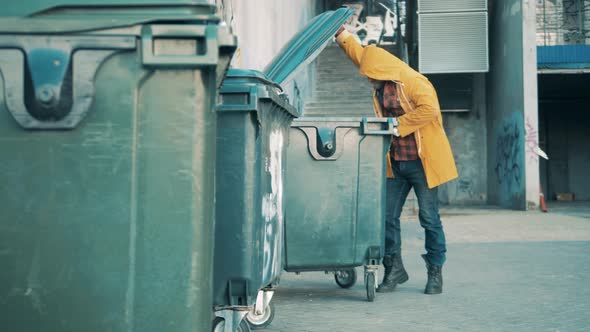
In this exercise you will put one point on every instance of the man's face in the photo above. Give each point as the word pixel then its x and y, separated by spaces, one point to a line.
pixel 376 83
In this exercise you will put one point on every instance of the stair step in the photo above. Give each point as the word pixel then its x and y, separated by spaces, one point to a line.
pixel 349 103
pixel 340 99
pixel 339 96
pixel 360 84
pixel 339 111
pixel 340 114
pixel 339 89
pixel 345 88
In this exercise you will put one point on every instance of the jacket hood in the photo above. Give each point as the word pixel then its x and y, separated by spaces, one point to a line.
pixel 378 64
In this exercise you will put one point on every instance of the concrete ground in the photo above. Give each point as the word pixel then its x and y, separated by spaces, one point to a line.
pixel 505 271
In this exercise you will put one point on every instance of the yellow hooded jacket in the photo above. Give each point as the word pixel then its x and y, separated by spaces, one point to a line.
pixel 423 118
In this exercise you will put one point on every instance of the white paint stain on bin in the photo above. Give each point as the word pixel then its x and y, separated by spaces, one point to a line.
pixel 272 207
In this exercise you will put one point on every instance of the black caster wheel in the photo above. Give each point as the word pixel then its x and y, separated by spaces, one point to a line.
pixel 345 278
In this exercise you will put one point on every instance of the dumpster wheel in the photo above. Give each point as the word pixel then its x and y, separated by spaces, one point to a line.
pixel 370 285
pixel 345 278
pixel 219 325
pixel 263 320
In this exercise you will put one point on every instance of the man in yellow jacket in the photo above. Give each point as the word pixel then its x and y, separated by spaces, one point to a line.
pixel 420 155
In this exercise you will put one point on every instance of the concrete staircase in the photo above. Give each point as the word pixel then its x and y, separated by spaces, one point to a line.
pixel 341 91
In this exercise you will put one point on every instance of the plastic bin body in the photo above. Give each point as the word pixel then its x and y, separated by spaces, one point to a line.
pixel 253 132
pixel 94 9
pixel 335 193
pixel 108 141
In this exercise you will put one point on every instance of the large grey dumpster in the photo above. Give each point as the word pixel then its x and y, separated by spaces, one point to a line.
pixel 107 132
pixel 254 118
pixel 335 214
pixel 253 132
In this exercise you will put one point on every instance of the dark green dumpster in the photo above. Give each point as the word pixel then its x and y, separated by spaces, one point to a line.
pixel 335 184
pixel 254 118
pixel 335 193
pixel 108 139
pixel 253 134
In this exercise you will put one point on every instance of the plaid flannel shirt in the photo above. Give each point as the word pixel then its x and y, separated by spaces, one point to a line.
pixel 402 148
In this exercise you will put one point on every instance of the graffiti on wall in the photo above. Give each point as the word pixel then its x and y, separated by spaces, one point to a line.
pixel 531 142
pixel 378 27
pixel 465 186
pixel 509 168
pixel 533 151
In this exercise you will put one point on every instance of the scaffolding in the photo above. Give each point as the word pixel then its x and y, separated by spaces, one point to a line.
pixel 563 22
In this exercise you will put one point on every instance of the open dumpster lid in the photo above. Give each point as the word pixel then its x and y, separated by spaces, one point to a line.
pixel 306 45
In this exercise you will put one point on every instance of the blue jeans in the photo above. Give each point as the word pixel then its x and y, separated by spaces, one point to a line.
pixel 410 174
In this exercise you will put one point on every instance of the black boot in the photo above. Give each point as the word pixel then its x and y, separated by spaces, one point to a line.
pixel 435 279
pixel 394 273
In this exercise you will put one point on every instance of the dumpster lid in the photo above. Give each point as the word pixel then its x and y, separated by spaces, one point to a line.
pixel 306 45
pixel 24 8
pixel 235 73
pixel 257 85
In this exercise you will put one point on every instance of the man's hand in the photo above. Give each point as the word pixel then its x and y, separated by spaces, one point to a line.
pixel 395 125
pixel 339 31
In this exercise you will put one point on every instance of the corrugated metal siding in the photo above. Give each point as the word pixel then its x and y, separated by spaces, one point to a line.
pixel 453 42
pixel 565 56
pixel 425 6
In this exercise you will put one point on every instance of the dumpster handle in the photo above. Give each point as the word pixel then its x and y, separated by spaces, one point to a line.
pixel 251 101
pixel 47 103
pixel 391 125
pixel 190 32
pixel 264 80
